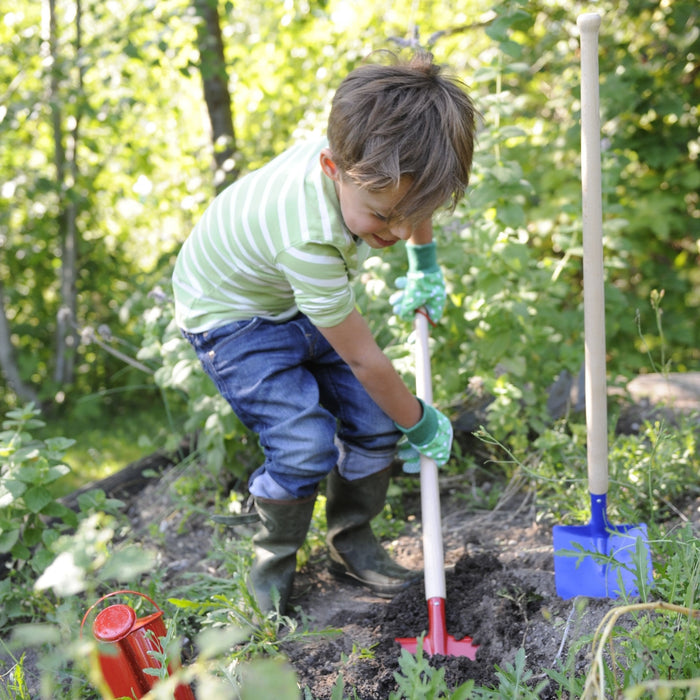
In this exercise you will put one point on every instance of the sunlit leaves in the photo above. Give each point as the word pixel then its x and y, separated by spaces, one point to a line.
pixel 144 153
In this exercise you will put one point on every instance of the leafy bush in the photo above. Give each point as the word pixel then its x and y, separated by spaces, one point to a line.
pixel 29 467
pixel 49 546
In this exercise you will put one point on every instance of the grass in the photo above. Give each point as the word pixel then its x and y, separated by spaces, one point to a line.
pixel 106 440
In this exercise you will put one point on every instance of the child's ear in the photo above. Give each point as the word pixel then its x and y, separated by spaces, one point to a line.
pixel 328 164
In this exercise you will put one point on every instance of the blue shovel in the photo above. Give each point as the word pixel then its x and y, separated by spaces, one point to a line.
pixel 598 560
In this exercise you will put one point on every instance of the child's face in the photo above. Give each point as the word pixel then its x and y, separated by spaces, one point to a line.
pixel 366 213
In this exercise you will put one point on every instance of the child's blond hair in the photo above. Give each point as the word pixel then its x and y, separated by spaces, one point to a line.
pixel 405 119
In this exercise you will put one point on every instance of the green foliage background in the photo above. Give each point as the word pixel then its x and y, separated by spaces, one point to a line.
pixel 511 252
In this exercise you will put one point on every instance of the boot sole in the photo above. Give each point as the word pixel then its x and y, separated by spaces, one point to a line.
pixel 381 591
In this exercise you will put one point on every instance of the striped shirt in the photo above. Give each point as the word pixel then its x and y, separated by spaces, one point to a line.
pixel 271 244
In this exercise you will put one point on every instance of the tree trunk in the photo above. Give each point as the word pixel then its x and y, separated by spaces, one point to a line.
pixel 66 174
pixel 212 66
pixel 8 363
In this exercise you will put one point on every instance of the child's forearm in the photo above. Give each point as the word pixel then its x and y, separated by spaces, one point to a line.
pixel 353 341
pixel 422 233
pixel 389 392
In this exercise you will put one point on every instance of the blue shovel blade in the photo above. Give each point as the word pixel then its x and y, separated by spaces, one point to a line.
pixel 600 562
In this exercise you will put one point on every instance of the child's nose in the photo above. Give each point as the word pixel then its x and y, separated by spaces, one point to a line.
pixel 402 231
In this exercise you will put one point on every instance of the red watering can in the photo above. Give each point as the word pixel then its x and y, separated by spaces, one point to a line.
pixel 125 641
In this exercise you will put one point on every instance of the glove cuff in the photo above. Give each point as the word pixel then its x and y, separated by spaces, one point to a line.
pixel 422 258
pixel 425 429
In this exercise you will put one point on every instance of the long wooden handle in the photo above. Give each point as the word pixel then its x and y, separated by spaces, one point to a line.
pixel 593 270
pixel 433 556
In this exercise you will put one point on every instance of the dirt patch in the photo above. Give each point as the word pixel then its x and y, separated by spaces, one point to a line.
pixel 499 583
pixel 500 591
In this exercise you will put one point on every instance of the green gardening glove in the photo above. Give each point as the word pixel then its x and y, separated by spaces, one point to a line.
pixel 431 436
pixel 423 285
pixel 409 455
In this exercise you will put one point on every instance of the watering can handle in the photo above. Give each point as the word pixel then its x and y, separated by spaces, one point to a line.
pixel 110 595
pixel 593 269
pixel 433 556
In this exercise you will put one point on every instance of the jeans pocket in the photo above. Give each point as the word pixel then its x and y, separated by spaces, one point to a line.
pixel 221 338
pixel 226 345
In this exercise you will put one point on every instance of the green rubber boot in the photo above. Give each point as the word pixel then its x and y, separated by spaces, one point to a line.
pixel 354 549
pixel 283 529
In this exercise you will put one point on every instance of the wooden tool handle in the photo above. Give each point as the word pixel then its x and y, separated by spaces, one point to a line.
pixel 593 269
pixel 433 556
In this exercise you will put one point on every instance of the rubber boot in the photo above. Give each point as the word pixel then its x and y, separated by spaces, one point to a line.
pixel 354 549
pixel 283 529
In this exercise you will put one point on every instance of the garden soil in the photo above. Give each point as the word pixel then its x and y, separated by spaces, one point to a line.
pixel 500 591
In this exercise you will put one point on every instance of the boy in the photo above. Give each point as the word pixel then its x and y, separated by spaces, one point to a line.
pixel 262 291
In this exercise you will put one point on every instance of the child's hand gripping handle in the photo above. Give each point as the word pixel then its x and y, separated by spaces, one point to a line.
pixel 423 285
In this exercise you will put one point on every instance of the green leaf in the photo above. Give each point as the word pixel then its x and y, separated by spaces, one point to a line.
pixel 463 692
pixel 49 537
pixel 517 366
pixel 8 539
pixel 498 29
pixel 181 371
pixel 37 498
pixel 24 413
pixel 21 551
pixel 58 510
pixel 511 48
pixel 41 559
pixel 30 453
pixel 56 472
pixel 29 474
pixel 506 173
pixel 11 490
pixel 185 604
pixel 32 535
pixel 59 444
pixel 511 214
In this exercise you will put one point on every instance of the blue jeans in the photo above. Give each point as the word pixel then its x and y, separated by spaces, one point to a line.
pixel 285 382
